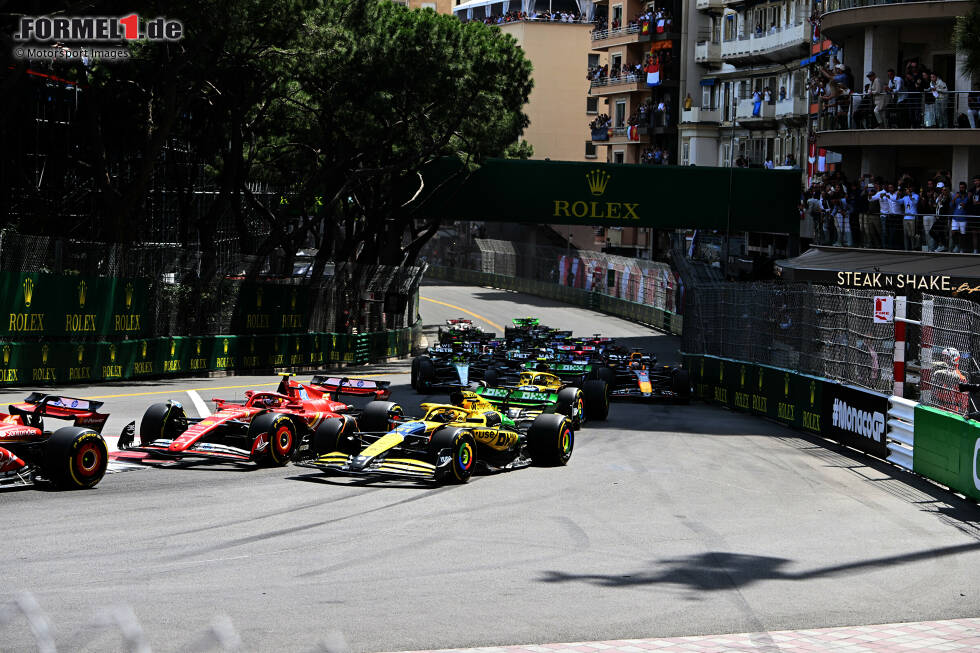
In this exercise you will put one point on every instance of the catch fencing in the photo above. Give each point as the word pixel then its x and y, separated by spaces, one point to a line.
pixel 821 331
pixel 946 340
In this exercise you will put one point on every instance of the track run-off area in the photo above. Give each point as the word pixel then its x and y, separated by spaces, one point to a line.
pixel 668 521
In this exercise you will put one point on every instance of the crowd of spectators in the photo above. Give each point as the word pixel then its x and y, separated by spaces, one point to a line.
pixel 658 21
pixel 657 156
pixel 938 214
pixel 914 97
pixel 602 121
pixel 658 63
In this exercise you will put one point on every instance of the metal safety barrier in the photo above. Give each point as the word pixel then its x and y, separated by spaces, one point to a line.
pixel 900 436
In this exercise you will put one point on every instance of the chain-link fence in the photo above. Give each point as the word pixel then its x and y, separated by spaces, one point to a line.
pixel 348 298
pixel 823 331
pixel 948 340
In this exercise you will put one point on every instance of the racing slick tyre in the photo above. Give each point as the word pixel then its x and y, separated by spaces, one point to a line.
pixel 550 439
pixel 335 434
pixel 491 378
pixel 607 374
pixel 596 394
pixel 75 458
pixel 415 370
pixel 425 376
pixel 162 421
pixel 680 384
pixel 571 404
pixel 378 416
pixel 462 450
pixel 282 436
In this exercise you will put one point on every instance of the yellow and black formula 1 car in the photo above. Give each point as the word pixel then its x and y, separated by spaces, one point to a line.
pixel 447 444
pixel 538 392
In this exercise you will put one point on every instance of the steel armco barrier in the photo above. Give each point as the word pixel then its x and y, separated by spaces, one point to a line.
pixel 901 432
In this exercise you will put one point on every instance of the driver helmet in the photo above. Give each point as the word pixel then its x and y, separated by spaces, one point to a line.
pixel 951 356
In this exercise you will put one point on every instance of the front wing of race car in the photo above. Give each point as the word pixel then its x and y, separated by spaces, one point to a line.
pixel 400 466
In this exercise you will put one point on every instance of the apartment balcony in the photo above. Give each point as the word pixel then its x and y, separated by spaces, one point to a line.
pixel 701 114
pixel 617 85
pixel 636 33
pixel 617 136
pixel 787 43
pixel 844 17
pixel 792 108
pixel 707 52
pixel 705 5
pixel 744 113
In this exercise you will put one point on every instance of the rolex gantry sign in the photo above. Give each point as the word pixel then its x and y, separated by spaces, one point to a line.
pixel 66 305
pixel 598 181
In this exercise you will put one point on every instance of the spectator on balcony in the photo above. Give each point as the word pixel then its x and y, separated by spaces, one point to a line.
pixel 890 214
pixel 910 204
pixel 790 160
pixel 974 210
pixel 938 89
pixel 769 165
pixel 959 203
pixel 756 103
pixel 879 98
pixel 913 99
pixel 688 102
pixel 928 100
pixel 936 232
pixel 782 93
pixel 870 223
pixel 973 108
pixel 758 29
pixel 862 109
pixel 896 95
pixel 772 27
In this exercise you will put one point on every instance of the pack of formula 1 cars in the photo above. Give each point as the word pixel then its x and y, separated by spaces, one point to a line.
pixel 512 402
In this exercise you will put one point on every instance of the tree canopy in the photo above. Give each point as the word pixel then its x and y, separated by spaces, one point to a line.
pixel 337 106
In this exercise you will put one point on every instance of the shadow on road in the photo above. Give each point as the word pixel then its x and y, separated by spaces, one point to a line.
pixel 720 570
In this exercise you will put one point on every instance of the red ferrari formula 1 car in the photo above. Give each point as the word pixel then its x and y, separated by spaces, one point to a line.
pixel 265 429
pixel 73 457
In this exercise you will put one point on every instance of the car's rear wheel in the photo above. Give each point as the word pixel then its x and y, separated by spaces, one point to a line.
pixel 680 384
pixel 335 434
pixel 596 393
pixel 380 416
pixel 571 403
pixel 607 374
pixel 491 378
pixel 426 375
pixel 550 440
pixel 415 370
pixel 75 458
pixel 281 433
pixel 163 421
pixel 462 450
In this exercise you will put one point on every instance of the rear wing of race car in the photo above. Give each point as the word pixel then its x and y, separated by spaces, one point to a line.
pixel 561 369
pixel 507 397
pixel 338 386
pixel 83 412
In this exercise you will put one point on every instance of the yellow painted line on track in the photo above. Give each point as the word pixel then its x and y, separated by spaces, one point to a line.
pixel 225 387
pixel 459 308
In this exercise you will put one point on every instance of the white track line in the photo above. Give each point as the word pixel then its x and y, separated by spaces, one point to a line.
pixel 199 405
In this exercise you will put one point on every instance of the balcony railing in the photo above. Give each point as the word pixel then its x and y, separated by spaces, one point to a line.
pixel 835 5
pixel 950 110
pixel 747 111
pixel 633 28
pixel 747 45
pixel 708 4
pixel 792 106
pixel 707 52
pixel 701 114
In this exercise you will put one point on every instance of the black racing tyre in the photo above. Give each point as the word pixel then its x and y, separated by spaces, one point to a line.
pixel 415 371
pixel 378 416
pixel 571 403
pixel 680 384
pixel 510 332
pixel 162 421
pixel 282 436
pixel 335 434
pixel 596 393
pixel 492 378
pixel 426 375
pixel 603 372
pixel 550 439
pixel 75 458
pixel 462 450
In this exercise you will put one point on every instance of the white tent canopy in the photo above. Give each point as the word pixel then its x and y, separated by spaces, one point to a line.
pixel 492 7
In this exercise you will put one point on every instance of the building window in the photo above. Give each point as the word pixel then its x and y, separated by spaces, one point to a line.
pixel 726 154
pixel 620 114
pixel 706 97
pixel 617 61
pixel 617 15
pixel 619 156
pixel 590 150
pixel 592 105
pixel 686 152
pixel 593 60
pixel 429 5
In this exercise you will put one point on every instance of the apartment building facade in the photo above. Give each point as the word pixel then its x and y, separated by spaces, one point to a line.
pixel 749 102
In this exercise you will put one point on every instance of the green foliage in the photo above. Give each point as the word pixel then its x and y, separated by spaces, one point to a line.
pixel 966 38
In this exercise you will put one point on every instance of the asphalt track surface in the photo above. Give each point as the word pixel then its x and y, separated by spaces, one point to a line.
pixel 668 521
